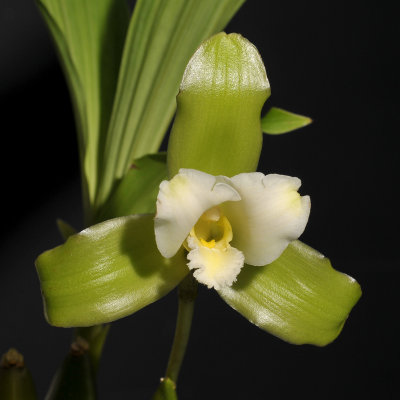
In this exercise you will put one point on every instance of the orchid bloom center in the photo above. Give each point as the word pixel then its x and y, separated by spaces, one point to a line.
pixel 212 230
pixel 214 261
pixel 201 211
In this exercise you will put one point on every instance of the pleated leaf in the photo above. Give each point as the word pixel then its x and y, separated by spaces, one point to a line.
pixel 162 36
pixel 278 121
pixel 89 36
pixel 299 297
pixel 137 191
pixel 106 272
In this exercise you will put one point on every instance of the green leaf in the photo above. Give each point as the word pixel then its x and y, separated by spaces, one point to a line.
pixel 166 390
pixel 65 229
pixel 137 192
pixel 16 381
pixel 106 272
pixel 299 297
pixel 162 36
pixel 89 35
pixel 278 121
pixel 217 125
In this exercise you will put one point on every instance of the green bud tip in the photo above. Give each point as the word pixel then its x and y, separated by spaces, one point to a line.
pixel 79 346
pixel 12 359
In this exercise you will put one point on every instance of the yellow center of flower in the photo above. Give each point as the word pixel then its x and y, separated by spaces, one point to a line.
pixel 213 230
pixel 209 244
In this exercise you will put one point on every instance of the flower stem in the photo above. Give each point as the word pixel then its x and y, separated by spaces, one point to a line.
pixel 95 336
pixel 187 292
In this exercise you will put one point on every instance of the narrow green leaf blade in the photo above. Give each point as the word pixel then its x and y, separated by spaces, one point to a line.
pixel 89 36
pixel 278 121
pixel 166 390
pixel 137 191
pixel 106 272
pixel 65 229
pixel 299 297
pixel 162 36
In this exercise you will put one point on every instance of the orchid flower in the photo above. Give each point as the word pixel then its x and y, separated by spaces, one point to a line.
pixel 239 227
pixel 225 222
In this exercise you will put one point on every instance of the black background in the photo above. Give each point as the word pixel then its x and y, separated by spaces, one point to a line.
pixel 334 61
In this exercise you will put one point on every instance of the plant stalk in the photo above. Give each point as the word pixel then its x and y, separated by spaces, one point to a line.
pixel 187 292
pixel 95 336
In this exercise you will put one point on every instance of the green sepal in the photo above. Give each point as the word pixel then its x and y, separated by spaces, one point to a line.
pixel 166 390
pixel 106 272
pixel 75 379
pixel 16 381
pixel 137 191
pixel 299 297
pixel 217 126
pixel 278 121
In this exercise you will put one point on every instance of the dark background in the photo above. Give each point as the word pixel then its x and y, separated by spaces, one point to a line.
pixel 334 61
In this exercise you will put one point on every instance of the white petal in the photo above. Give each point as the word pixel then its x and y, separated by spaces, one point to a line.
pixel 270 215
pixel 214 267
pixel 181 202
